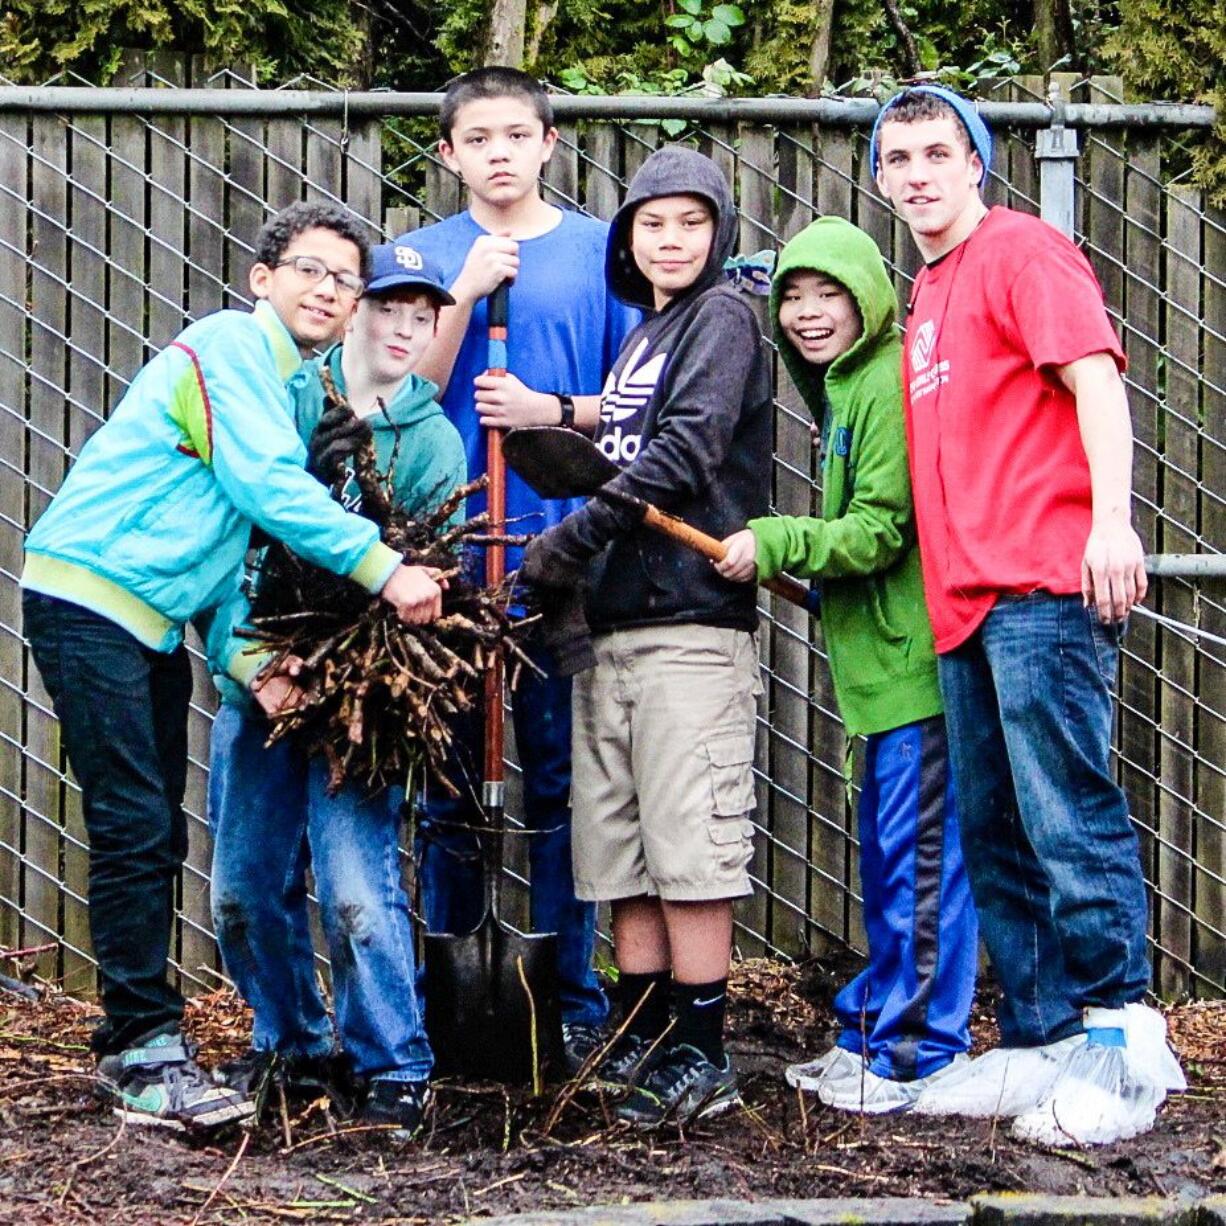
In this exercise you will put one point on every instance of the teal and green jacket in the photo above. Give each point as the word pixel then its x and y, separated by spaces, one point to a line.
pixel 429 464
pixel 863 547
pixel 151 525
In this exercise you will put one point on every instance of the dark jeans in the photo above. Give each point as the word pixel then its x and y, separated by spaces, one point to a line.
pixel 450 866
pixel 123 719
pixel 1048 844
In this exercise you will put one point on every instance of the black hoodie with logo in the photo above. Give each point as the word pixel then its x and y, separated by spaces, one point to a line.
pixel 686 414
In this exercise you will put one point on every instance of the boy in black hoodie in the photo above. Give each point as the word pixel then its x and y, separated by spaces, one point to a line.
pixel 664 723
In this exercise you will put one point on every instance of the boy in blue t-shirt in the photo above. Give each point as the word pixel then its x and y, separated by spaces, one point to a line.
pixel 565 330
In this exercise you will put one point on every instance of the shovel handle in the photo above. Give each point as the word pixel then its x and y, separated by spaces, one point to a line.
pixel 791 590
pixel 495 558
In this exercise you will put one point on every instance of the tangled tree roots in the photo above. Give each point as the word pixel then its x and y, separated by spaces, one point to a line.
pixel 380 697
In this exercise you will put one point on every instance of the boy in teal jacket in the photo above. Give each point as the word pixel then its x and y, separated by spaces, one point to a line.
pixel 269 807
pixel 904 1018
pixel 147 532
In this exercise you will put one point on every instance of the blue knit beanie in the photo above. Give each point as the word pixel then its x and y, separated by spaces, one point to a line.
pixel 976 129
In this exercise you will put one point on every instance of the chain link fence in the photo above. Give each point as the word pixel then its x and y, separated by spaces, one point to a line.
pixel 126 213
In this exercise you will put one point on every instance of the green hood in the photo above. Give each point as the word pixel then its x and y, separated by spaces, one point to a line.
pixel 840 250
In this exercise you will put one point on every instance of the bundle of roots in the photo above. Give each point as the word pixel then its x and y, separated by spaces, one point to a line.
pixel 379 698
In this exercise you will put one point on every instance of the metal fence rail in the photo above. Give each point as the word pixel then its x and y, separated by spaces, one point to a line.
pixel 126 213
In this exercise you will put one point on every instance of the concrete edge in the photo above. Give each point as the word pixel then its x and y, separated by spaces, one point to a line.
pixel 1008 1209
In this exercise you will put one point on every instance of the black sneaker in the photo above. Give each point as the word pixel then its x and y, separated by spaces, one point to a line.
pixel 302 1078
pixel 628 1062
pixel 579 1041
pixel 683 1085
pixel 157 1083
pixel 397 1102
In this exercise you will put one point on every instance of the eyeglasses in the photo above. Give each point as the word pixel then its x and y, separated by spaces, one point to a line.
pixel 313 270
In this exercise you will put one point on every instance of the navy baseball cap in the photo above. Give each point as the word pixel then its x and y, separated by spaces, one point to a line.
pixel 400 265
pixel 964 108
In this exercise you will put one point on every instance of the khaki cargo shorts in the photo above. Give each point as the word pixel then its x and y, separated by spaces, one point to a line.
pixel 662 775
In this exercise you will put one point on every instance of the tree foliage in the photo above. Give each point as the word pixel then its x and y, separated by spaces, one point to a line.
pixel 1171 49
pixel 1176 50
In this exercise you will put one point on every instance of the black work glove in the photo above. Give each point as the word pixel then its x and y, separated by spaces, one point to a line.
pixel 564 629
pixel 339 434
pixel 553 561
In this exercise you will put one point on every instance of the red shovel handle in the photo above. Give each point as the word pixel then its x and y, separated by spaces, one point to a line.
pixel 792 590
pixel 495 557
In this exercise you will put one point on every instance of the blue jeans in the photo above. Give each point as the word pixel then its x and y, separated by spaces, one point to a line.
pixel 450 865
pixel 1049 846
pixel 908 1009
pixel 123 718
pixel 271 814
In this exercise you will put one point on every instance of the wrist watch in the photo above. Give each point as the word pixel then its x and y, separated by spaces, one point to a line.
pixel 568 410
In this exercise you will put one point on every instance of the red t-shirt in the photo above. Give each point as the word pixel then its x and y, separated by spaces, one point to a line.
pixel 1000 477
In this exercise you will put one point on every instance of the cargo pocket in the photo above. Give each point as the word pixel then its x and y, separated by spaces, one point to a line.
pixel 731 757
pixel 733 840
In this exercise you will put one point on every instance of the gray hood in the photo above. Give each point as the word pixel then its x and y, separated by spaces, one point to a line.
pixel 672 170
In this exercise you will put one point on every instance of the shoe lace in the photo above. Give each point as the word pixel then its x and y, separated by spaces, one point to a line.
pixel 676 1074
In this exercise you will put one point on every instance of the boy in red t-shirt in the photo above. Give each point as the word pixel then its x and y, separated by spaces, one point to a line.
pixel 1021 458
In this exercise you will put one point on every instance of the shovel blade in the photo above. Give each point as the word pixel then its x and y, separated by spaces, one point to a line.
pixel 557 463
pixel 480 1016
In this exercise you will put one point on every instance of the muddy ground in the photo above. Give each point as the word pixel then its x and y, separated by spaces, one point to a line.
pixel 64 1159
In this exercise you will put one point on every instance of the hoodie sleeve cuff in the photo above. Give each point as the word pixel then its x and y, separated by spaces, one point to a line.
pixel 769 537
pixel 376 567
pixel 245 664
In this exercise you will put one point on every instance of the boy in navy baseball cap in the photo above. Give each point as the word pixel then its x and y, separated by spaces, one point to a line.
pixel 264 804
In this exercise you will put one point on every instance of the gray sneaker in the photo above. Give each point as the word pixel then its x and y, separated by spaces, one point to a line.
pixel 682 1085
pixel 157 1083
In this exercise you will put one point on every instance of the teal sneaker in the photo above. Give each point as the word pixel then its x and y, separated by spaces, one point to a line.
pixel 157 1083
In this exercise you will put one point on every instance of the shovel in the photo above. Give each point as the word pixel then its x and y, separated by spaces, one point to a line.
pixel 560 463
pixel 492 1008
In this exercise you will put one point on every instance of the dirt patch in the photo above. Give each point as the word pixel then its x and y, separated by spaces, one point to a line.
pixel 64 1160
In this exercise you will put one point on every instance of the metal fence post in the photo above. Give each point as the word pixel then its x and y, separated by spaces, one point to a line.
pixel 1056 150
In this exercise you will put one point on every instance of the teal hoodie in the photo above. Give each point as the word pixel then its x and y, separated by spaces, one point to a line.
pixel 430 464
pixel 151 524
pixel 863 547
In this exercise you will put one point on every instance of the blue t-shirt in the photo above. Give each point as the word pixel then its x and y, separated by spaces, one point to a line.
pixel 564 330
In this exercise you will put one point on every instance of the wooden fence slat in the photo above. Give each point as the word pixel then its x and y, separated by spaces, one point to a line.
pixel 1137 742
pixel 1179 535
pixel 639 141
pixel 167 192
pixel 324 160
pixel 363 175
pixel 834 172
pixel 206 222
pixel 48 461
pixel 444 192
pixel 14 270
pixel 1023 167
pixel 400 220
pixel 283 163
pixel 86 404
pixel 603 190
pixel 1209 948
pixel 560 181
pixel 795 175
pixel 244 194
pixel 125 346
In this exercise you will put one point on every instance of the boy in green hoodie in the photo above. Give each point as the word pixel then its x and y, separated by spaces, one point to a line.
pixel 270 809
pixel 904 1018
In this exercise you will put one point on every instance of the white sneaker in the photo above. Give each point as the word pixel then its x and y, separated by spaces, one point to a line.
pixel 832 1065
pixel 1111 1087
pixel 876 1095
pixel 1005 1081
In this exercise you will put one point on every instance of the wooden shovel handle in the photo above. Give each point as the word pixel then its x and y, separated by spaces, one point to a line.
pixel 792 590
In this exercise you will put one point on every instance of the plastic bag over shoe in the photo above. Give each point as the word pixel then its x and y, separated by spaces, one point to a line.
pixel 1107 1090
